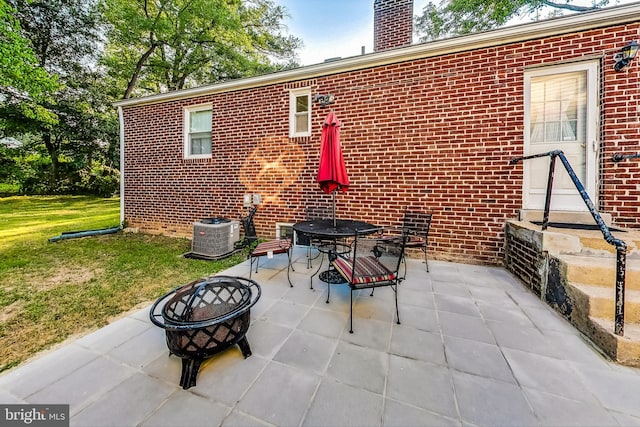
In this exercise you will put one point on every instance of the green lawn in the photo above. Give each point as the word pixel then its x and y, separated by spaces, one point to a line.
pixel 51 291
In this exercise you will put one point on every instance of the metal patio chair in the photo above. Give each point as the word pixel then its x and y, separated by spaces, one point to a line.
pixel 374 263
pixel 417 223
pixel 270 248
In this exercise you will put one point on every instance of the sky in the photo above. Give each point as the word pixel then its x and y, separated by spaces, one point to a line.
pixel 333 28
pixel 339 28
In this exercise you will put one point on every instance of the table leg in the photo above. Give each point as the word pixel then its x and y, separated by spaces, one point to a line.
pixel 318 270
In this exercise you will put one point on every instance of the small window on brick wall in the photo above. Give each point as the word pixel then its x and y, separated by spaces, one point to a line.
pixel 197 132
pixel 300 112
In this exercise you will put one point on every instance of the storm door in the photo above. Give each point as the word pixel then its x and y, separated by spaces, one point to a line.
pixel 561 113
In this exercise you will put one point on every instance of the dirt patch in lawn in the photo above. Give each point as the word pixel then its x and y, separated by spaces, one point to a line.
pixel 10 311
pixel 65 275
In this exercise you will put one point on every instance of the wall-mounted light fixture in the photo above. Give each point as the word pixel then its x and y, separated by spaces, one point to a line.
pixel 625 56
pixel 324 100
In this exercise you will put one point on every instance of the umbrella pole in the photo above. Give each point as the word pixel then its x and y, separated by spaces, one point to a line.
pixel 333 195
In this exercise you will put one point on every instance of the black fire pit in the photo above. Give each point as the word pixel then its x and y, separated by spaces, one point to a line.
pixel 205 317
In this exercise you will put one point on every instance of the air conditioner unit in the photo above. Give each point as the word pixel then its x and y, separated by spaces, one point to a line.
pixel 213 237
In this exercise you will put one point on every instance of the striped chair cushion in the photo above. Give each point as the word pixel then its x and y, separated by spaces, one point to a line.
pixel 367 270
pixel 278 246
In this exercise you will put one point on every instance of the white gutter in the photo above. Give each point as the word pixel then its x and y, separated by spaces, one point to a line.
pixel 567 24
pixel 121 123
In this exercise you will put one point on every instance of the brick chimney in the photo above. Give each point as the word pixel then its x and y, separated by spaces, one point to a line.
pixel 392 24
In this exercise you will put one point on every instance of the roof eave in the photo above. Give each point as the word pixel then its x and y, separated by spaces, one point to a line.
pixel 567 24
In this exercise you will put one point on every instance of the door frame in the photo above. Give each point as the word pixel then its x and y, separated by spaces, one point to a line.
pixel 592 131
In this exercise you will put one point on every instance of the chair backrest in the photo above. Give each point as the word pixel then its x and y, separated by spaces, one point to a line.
pixel 388 252
pixel 248 226
pixel 417 222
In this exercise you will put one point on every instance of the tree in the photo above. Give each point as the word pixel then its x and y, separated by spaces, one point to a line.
pixel 458 17
pixel 163 45
pixel 25 86
pixel 64 36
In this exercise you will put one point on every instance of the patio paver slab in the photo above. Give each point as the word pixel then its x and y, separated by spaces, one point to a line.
pixel 474 348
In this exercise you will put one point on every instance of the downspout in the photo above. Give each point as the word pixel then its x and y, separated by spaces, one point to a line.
pixel 121 123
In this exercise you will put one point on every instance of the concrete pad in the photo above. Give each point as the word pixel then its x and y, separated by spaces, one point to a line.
pixel 84 385
pixel 337 404
pixel 45 370
pixel 360 367
pixel 477 358
pixel 486 402
pixel 227 376
pixel 553 410
pixel 397 414
pixel 456 304
pixel 280 395
pixel 324 322
pixel 129 403
pixel 555 375
pixel 474 348
pixel 422 384
pixel 187 410
pixel 307 351
pixel 463 326
pixel 416 344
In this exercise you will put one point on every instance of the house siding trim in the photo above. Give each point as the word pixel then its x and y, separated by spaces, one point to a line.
pixel 121 120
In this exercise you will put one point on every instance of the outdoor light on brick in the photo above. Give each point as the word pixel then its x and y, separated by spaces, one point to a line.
pixel 625 56
pixel 324 100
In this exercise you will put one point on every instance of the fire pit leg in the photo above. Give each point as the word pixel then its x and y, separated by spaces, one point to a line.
pixel 190 369
pixel 244 347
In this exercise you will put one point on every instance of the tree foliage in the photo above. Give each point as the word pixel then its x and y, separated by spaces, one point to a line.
pixel 64 36
pixel 64 62
pixel 458 17
pixel 24 84
pixel 163 45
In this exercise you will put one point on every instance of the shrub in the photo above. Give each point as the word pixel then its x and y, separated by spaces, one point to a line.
pixel 101 180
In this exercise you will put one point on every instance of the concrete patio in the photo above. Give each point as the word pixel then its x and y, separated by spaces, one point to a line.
pixel 474 348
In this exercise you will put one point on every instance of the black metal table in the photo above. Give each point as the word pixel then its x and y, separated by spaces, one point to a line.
pixel 327 229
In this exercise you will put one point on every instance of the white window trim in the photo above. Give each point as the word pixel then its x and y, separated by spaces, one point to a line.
pixel 293 94
pixel 186 115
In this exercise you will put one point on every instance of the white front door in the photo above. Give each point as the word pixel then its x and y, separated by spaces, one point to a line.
pixel 561 113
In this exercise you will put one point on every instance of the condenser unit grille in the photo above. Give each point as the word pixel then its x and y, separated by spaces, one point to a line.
pixel 214 239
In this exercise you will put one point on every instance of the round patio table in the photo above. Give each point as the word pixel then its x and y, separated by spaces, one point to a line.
pixel 326 230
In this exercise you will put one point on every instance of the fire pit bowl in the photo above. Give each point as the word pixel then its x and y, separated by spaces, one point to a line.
pixel 205 317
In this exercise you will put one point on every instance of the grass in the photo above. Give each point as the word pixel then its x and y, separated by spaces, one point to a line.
pixel 51 291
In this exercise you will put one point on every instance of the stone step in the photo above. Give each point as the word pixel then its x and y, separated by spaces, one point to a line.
pixel 601 302
pixel 625 349
pixel 600 271
pixel 589 242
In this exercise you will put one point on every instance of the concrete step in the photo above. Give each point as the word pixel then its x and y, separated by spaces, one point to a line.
pixel 625 349
pixel 600 271
pixel 589 242
pixel 601 302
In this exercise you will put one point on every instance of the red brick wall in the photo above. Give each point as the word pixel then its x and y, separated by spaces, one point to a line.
pixel 436 133
pixel 392 24
pixel 620 182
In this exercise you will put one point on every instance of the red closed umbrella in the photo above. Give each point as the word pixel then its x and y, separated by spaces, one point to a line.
pixel 332 173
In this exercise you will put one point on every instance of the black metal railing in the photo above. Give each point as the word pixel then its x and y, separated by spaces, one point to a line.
pixel 621 247
pixel 620 157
